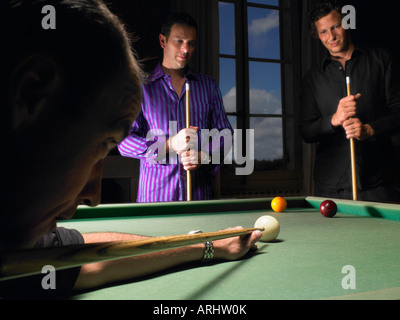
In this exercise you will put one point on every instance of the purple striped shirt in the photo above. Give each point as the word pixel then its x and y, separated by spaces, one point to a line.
pixel 166 180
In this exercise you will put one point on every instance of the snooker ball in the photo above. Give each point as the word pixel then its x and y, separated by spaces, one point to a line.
pixel 271 228
pixel 328 208
pixel 278 204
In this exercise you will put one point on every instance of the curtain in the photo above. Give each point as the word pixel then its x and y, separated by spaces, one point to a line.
pixel 312 52
pixel 205 12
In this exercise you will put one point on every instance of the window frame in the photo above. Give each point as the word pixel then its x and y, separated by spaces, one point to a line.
pixel 289 180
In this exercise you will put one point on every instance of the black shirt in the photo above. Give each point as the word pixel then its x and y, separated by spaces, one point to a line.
pixel 375 75
pixel 31 287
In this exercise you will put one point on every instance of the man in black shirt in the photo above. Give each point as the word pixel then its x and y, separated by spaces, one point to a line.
pixel 370 115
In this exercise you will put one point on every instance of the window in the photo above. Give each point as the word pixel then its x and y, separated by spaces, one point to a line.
pixel 258 83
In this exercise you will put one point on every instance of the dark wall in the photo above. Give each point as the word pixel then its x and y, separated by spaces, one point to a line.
pixel 377 23
pixel 143 19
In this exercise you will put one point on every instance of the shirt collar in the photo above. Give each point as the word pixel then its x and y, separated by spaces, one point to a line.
pixel 159 73
pixel 327 59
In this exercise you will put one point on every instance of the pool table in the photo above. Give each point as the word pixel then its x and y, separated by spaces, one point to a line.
pixel 354 255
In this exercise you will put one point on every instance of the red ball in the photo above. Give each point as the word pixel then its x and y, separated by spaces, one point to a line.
pixel 328 208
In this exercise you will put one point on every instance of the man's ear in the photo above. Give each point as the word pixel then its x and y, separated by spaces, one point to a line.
pixel 163 40
pixel 33 83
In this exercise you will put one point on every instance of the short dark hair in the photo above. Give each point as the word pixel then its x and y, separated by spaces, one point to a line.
pixel 177 18
pixel 320 10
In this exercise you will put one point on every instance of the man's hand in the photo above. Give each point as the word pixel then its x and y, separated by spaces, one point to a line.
pixel 185 139
pixel 191 160
pixel 346 109
pixel 236 247
pixel 355 129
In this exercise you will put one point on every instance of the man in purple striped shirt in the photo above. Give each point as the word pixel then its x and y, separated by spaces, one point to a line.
pixel 162 176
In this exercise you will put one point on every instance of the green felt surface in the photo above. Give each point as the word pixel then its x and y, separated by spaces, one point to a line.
pixel 305 262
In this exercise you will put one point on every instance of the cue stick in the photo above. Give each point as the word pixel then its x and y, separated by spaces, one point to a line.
pixel 26 262
pixel 352 153
pixel 188 173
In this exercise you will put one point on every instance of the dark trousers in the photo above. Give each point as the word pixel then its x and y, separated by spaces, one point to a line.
pixel 387 194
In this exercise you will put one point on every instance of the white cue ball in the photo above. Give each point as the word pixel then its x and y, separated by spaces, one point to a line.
pixel 271 226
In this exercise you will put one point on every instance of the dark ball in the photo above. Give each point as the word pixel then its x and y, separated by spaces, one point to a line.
pixel 328 208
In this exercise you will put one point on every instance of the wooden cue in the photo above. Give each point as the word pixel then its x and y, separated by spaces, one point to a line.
pixel 352 153
pixel 188 173
pixel 26 262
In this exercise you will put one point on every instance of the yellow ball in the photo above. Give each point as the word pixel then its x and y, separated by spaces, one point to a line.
pixel 278 204
pixel 271 228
